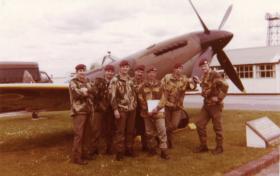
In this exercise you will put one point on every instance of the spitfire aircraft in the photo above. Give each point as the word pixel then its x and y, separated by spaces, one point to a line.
pixel 188 49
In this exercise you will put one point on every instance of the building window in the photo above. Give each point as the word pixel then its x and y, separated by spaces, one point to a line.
pixel 244 71
pixel 266 71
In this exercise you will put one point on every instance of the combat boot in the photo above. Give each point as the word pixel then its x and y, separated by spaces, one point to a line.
pixel 201 149
pixel 119 156
pixel 217 150
pixel 164 154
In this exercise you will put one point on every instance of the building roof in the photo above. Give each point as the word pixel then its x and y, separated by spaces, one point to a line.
pixel 256 55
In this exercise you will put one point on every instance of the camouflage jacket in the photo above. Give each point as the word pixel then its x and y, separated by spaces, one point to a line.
pixel 213 85
pixel 137 84
pixel 101 96
pixel 149 91
pixel 123 95
pixel 80 102
pixel 174 91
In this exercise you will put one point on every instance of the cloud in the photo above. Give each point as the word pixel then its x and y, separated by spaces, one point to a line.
pixel 60 34
pixel 90 18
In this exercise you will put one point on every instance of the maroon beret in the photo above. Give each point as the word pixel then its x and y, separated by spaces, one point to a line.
pixel 123 63
pixel 140 67
pixel 109 67
pixel 203 61
pixel 80 67
pixel 151 69
pixel 177 65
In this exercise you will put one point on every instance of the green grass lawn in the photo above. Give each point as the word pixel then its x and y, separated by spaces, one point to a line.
pixel 43 147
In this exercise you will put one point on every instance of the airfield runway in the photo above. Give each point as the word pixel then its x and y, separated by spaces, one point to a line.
pixel 240 102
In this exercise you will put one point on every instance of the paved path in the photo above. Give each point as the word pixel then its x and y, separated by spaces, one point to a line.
pixel 241 102
pixel 272 170
pixel 14 114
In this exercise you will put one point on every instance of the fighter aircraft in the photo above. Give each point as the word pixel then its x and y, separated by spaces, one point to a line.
pixel 188 49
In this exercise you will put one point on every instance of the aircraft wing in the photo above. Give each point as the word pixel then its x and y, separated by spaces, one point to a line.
pixel 34 97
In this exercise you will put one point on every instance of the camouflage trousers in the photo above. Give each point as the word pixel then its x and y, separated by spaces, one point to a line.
pixel 96 131
pixel 172 119
pixel 109 129
pixel 125 131
pixel 81 124
pixel 155 127
pixel 102 126
pixel 213 112
pixel 140 128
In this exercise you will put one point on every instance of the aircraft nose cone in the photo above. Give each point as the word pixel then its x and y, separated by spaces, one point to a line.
pixel 224 38
pixel 216 39
pixel 228 35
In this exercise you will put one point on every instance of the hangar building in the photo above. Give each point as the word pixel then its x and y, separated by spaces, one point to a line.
pixel 258 69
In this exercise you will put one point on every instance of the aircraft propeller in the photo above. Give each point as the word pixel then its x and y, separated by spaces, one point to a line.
pixel 221 55
pixel 206 30
pixel 225 17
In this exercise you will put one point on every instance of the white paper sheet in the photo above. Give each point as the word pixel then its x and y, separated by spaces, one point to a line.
pixel 152 104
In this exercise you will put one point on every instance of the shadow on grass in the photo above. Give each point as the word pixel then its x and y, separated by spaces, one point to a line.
pixel 38 141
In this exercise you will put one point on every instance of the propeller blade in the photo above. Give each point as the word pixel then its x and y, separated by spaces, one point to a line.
pixel 206 30
pixel 207 54
pixel 229 70
pixel 225 17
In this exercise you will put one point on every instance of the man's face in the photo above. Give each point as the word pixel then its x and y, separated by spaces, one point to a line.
pixel 152 75
pixel 81 73
pixel 178 71
pixel 124 69
pixel 139 74
pixel 109 74
pixel 205 68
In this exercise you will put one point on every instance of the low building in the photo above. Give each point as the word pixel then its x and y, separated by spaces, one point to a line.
pixel 258 69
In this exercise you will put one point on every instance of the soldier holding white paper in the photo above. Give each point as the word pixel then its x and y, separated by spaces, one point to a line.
pixel 174 86
pixel 154 122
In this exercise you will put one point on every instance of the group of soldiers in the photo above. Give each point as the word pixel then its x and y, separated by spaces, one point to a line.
pixel 117 108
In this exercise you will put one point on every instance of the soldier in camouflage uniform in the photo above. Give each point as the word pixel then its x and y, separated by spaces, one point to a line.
pixel 103 121
pixel 154 123
pixel 124 102
pixel 139 125
pixel 81 110
pixel 174 86
pixel 214 90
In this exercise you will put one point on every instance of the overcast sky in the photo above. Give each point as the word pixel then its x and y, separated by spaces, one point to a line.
pixel 58 34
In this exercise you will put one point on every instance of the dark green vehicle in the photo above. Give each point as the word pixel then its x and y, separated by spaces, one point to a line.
pixel 22 72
